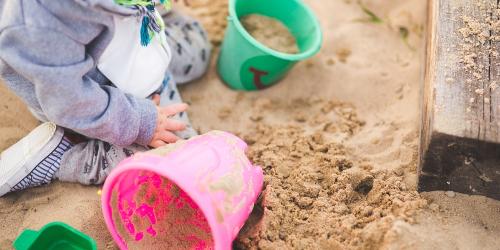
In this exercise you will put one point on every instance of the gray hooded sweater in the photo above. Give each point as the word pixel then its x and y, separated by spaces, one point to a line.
pixel 48 55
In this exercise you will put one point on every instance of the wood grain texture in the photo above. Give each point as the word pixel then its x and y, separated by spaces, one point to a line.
pixel 460 139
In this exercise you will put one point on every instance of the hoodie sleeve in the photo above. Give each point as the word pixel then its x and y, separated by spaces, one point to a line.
pixel 57 66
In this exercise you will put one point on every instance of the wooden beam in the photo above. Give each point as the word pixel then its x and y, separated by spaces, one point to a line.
pixel 460 132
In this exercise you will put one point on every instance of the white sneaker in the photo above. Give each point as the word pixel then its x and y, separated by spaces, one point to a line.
pixel 34 160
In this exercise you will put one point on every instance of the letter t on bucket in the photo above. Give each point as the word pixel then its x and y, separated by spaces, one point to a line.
pixel 198 196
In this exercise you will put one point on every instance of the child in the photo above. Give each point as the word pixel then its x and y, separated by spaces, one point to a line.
pixel 102 75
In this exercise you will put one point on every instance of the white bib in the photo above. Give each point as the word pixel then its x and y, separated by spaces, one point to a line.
pixel 131 67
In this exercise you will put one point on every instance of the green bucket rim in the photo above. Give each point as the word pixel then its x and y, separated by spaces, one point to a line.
pixel 291 57
pixel 28 237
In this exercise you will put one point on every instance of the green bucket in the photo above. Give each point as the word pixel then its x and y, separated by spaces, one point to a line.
pixel 54 236
pixel 246 64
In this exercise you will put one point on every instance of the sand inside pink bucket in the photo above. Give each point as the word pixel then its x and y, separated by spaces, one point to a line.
pixel 159 216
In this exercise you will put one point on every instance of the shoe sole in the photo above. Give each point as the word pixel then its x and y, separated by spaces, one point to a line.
pixel 20 159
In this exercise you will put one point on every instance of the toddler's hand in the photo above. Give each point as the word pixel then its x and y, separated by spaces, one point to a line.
pixel 165 125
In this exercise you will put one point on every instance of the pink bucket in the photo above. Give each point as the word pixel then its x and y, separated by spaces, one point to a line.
pixel 198 196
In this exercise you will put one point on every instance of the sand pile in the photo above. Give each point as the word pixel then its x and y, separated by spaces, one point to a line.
pixel 270 32
pixel 319 195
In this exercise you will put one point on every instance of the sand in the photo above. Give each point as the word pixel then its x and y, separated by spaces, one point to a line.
pixel 270 32
pixel 361 93
pixel 319 196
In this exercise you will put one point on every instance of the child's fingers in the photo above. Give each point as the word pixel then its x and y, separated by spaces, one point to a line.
pixel 173 109
pixel 156 99
pixel 174 125
pixel 157 143
pixel 168 137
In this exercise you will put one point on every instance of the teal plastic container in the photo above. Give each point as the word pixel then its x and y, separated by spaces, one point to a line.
pixel 246 64
pixel 54 236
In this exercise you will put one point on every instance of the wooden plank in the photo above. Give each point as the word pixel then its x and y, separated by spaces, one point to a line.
pixel 460 139
pixel 493 86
